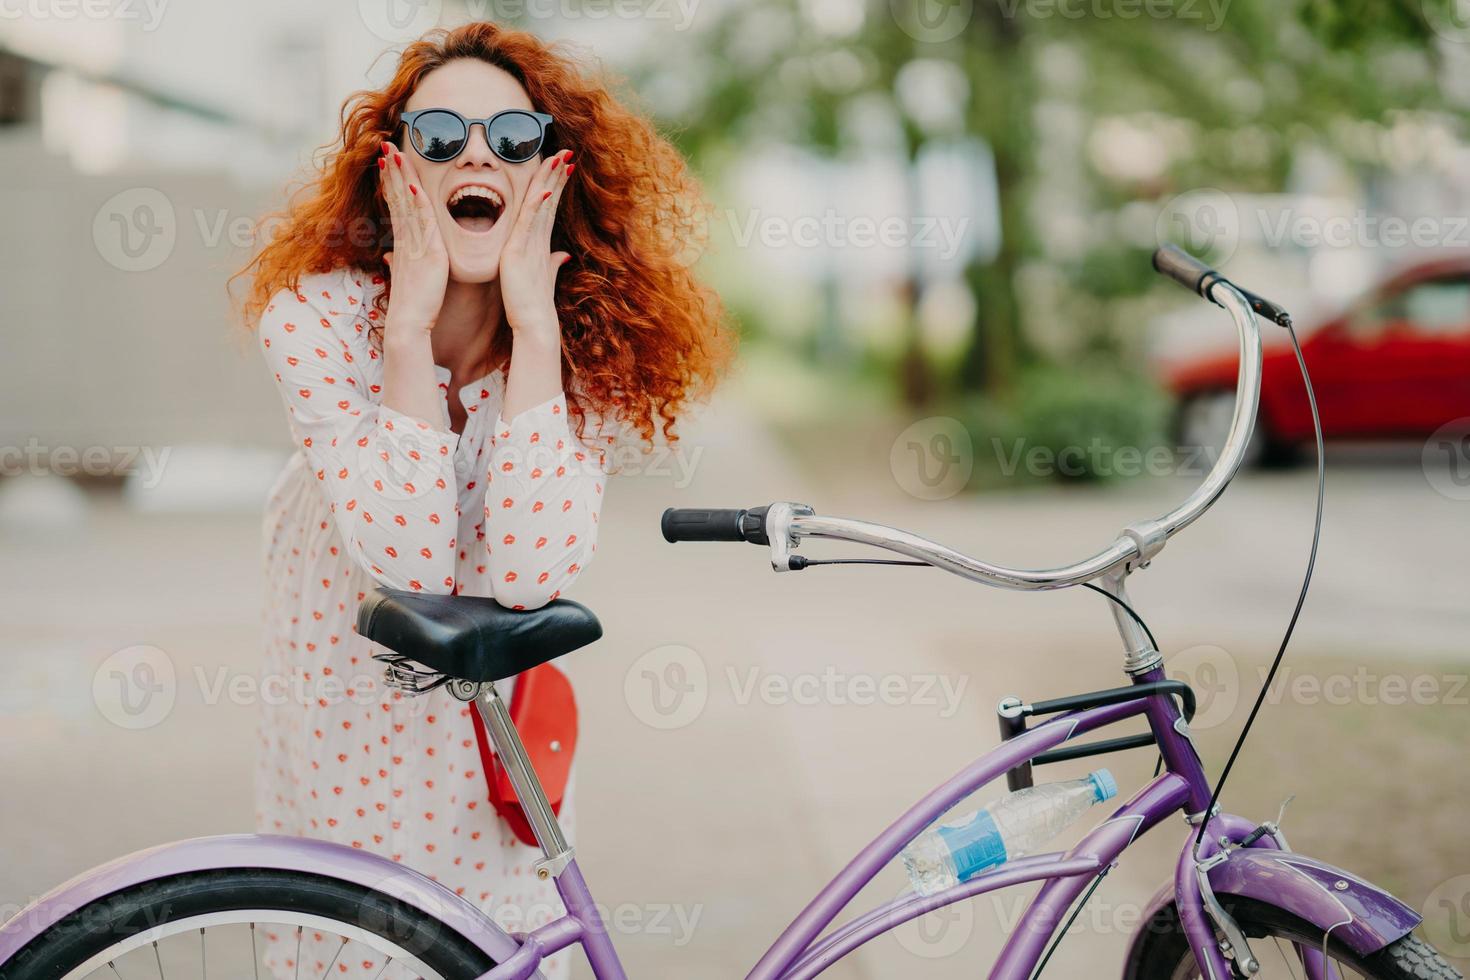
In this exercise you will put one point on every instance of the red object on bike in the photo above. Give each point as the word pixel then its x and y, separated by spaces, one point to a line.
pixel 544 711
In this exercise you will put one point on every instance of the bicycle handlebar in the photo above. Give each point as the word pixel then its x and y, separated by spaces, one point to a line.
pixel 1188 271
pixel 687 524
pixel 783 525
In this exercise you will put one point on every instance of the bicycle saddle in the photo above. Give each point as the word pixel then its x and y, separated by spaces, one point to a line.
pixel 472 637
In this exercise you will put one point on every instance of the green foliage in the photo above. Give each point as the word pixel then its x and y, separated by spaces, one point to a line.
pixel 1091 419
pixel 1088 422
pixel 1356 24
pixel 1238 85
pixel 1115 271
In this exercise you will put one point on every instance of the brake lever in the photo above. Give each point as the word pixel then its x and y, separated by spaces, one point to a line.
pixel 1265 308
pixel 777 526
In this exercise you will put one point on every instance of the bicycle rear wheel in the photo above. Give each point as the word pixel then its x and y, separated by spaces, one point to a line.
pixel 1277 940
pixel 244 924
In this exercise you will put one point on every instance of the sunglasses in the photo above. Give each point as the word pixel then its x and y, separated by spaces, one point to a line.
pixel 440 135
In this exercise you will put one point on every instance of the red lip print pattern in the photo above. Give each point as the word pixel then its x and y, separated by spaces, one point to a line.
pixel 394 498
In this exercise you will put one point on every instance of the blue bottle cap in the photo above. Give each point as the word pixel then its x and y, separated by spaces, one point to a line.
pixel 1104 786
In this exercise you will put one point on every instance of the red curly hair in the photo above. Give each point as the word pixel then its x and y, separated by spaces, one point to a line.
pixel 640 333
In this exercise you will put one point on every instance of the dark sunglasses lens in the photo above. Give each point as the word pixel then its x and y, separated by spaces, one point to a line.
pixel 438 135
pixel 515 136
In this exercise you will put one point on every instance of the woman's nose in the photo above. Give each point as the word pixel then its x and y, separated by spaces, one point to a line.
pixel 477 152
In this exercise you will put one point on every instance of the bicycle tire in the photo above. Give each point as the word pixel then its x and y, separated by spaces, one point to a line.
pixel 115 920
pixel 1164 953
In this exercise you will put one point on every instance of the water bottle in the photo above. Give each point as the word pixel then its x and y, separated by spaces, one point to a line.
pixel 957 850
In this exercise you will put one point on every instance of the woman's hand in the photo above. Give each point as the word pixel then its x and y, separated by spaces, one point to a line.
pixel 528 267
pixel 419 261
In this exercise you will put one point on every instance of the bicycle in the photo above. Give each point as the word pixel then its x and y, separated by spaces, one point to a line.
pixel 1235 880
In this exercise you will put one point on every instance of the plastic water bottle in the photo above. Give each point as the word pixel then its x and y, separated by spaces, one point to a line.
pixel 957 850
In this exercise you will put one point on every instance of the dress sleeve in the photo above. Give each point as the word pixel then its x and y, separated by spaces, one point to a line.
pixel 388 477
pixel 543 497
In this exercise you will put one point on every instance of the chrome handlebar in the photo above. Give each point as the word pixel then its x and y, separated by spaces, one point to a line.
pixel 787 523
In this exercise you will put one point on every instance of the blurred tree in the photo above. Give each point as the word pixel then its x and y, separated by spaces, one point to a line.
pixel 1249 96
pixel 1248 86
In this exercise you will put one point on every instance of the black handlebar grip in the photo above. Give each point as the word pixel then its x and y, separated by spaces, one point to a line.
pixel 689 524
pixel 1185 269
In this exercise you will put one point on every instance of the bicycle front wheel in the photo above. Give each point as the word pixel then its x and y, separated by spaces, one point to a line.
pixel 1278 940
pixel 248 924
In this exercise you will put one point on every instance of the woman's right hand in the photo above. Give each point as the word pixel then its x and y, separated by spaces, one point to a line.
pixel 419 262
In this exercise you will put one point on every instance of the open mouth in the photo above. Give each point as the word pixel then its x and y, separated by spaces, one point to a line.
pixel 475 208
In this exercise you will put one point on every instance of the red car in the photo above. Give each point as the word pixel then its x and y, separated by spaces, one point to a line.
pixel 1396 365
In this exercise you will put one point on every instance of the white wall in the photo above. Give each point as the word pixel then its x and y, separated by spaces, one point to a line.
pixel 106 348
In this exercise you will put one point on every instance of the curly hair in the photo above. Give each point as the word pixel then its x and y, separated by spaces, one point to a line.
pixel 640 334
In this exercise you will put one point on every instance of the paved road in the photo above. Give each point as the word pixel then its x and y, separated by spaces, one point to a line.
pixel 814 706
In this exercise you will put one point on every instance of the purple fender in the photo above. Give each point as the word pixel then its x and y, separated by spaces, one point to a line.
pixel 275 853
pixel 1362 916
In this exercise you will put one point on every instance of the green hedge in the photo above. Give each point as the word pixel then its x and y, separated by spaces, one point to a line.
pixel 1074 422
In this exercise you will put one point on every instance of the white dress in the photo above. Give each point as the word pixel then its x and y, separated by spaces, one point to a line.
pixel 507 509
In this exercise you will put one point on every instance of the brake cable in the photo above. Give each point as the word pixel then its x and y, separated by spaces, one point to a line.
pixel 799 562
pixel 1300 599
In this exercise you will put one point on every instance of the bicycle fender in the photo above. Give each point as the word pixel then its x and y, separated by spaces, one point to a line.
pixel 1359 914
pixel 258 851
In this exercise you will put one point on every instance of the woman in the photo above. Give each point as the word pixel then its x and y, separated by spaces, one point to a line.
pixel 454 393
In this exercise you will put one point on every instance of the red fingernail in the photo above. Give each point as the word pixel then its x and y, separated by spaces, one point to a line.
pixel 568 156
pixel 570 168
pixel 555 162
pixel 413 190
pixel 385 148
pixel 382 164
pixel 398 159
pixel 546 195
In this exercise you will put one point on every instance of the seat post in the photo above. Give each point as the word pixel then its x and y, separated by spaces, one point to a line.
pixel 523 779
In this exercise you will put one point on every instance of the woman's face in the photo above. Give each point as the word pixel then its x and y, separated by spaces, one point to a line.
pixel 474 228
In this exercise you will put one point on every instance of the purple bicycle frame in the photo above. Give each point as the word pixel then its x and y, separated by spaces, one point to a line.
pixel 794 955
pixel 803 951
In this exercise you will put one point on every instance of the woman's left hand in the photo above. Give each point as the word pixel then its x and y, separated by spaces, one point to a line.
pixel 528 267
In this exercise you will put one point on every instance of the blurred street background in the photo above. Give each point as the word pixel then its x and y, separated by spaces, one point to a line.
pixel 932 221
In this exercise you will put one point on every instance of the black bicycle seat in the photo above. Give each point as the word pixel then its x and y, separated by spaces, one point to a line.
pixel 472 637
